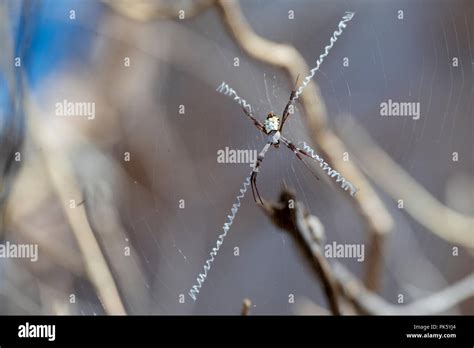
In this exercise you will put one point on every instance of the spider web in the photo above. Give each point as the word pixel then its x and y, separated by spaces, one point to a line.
pixel 269 267
pixel 344 92
pixel 407 59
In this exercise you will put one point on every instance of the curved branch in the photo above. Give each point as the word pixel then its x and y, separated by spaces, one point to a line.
pixel 446 223
pixel 340 282
pixel 367 302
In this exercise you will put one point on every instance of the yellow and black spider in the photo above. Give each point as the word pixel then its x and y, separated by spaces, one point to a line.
pixel 272 127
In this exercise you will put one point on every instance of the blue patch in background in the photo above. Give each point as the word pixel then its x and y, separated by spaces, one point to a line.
pixel 48 39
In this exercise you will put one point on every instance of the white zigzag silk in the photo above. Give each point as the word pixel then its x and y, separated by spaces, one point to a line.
pixel 345 184
pixel 228 91
pixel 341 26
pixel 220 240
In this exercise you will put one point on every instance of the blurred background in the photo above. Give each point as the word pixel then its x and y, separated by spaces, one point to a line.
pixel 125 208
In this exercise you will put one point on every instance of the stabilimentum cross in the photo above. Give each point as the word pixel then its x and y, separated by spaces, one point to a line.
pixel 272 128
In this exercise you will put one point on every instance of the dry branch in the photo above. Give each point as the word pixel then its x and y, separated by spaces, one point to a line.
pixel 450 225
pixel 307 230
pixel 339 282
pixel 367 302
pixel 61 174
pixel 246 305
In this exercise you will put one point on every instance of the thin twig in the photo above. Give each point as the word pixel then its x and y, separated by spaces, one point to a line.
pixel 341 282
pixel 367 302
pixel 246 305
pixel 64 182
pixel 307 231
pixel 378 220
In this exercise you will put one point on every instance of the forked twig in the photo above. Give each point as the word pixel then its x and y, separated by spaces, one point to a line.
pixel 340 283
pixel 309 234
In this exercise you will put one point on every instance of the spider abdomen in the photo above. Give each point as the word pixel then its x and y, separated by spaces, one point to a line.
pixel 272 123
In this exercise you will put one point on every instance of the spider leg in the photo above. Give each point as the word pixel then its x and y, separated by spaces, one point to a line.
pixel 251 185
pixel 225 89
pixel 256 122
pixel 299 153
pixel 286 111
pixel 253 180
pixel 307 165
pixel 253 177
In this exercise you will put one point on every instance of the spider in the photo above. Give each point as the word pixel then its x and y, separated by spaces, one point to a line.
pixel 272 128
